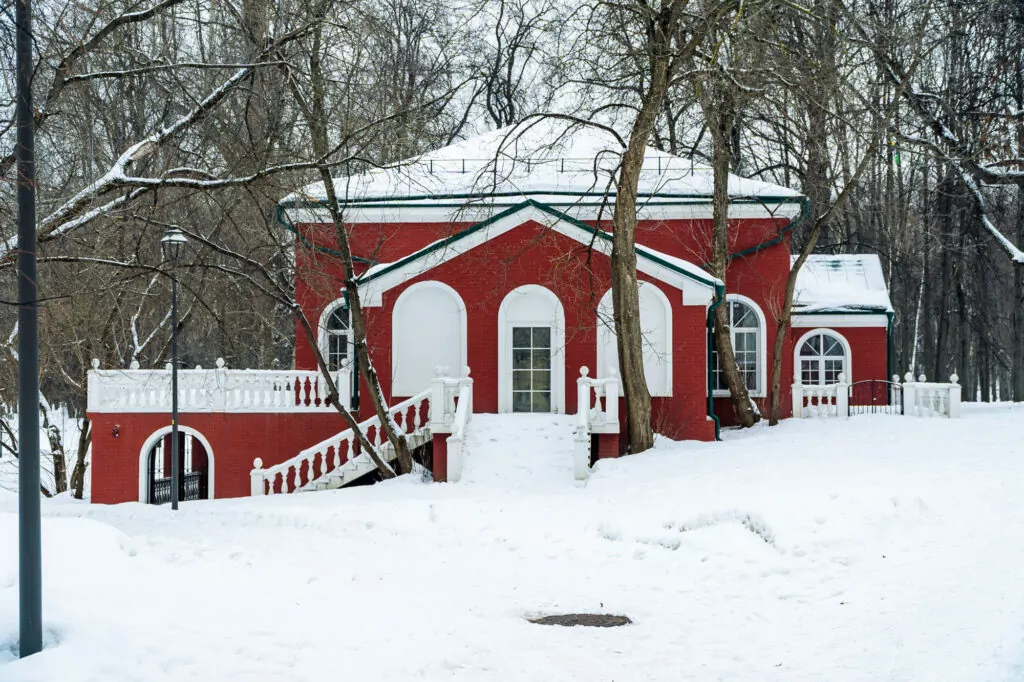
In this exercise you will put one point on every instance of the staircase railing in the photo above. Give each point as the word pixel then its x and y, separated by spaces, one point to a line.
pixel 597 411
pixel 451 408
pixel 318 460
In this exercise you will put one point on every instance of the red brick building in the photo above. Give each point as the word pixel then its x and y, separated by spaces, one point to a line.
pixel 494 254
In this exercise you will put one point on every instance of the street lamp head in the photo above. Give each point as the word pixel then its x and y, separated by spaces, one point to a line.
pixel 172 243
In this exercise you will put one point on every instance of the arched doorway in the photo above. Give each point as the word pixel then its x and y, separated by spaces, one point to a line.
pixel 195 458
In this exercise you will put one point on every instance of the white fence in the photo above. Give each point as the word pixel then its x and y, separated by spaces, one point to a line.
pixel 451 407
pixel 916 398
pixel 212 390
pixel 597 411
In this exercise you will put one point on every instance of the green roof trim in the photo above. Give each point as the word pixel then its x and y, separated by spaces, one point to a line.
pixel 400 202
pixel 530 203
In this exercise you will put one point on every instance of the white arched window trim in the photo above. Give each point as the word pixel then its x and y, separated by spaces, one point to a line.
pixel 606 336
pixel 847 353
pixel 322 335
pixel 403 299
pixel 557 348
pixel 153 440
pixel 762 347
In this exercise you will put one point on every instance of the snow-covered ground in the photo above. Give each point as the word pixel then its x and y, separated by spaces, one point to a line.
pixel 878 548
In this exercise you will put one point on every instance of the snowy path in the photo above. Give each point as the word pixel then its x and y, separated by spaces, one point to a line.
pixel 871 549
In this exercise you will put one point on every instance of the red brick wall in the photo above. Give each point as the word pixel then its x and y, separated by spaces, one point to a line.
pixel 235 438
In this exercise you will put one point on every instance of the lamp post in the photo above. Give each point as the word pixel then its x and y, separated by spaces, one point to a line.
pixel 171 245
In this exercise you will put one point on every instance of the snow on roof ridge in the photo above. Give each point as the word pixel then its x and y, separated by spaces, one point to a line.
pixel 544 157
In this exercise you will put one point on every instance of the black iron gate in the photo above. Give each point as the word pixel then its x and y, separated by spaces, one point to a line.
pixel 193 463
pixel 875 396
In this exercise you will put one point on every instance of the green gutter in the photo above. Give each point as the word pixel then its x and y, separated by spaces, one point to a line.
pixel 804 216
pixel 719 298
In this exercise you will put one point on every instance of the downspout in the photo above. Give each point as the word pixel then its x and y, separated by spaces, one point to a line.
pixel 888 346
pixel 719 297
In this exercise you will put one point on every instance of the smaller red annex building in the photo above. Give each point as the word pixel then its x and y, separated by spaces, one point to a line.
pixel 493 254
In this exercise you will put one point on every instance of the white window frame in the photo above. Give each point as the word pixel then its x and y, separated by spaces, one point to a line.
pixel 557 325
pixel 847 372
pixel 762 347
pixel 323 335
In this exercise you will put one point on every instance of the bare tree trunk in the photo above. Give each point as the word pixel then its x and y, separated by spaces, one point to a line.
pixel 1017 311
pixel 53 436
pixel 78 472
pixel 720 114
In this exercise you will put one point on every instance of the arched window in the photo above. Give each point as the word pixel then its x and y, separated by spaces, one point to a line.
pixel 428 329
pixel 821 357
pixel 335 335
pixel 746 328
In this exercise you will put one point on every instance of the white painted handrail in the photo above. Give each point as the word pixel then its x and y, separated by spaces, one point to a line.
pixel 212 390
pixel 597 411
pixel 451 407
pixel 817 400
pixel 318 460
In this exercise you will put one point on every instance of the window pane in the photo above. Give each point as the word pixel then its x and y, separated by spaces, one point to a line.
pixel 832 346
pixel 541 380
pixel 541 401
pixel 521 401
pixel 521 358
pixel 833 368
pixel 542 337
pixel 809 372
pixel 812 346
pixel 542 359
pixel 338 321
pixel 520 380
pixel 743 316
pixel 520 337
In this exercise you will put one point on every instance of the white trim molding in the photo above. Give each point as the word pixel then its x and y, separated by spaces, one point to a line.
pixel 461 210
pixel 321 339
pixel 557 325
pixel 762 347
pixel 694 292
pixel 399 388
pixel 151 442
pixel 847 354
pixel 840 320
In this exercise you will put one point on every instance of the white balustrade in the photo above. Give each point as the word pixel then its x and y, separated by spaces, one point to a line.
pixel 822 400
pixel 311 464
pixel 597 411
pixel 212 390
pixel 922 398
pixel 451 407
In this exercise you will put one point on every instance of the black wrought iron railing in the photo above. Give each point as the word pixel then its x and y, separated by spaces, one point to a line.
pixel 875 397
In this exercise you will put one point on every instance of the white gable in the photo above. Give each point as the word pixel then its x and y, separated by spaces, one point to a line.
pixel 841 284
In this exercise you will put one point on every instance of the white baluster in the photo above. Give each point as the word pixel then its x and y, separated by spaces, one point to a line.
pixel 256 477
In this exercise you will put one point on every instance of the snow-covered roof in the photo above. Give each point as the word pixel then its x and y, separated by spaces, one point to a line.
pixel 538 158
pixel 841 284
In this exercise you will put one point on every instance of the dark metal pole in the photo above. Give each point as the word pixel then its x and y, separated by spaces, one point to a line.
pixel 175 463
pixel 30 553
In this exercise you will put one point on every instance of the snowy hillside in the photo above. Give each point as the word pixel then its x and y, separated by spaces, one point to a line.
pixel 878 548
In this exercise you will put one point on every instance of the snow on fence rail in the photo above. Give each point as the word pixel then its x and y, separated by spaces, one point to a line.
pixel 918 398
pixel 211 390
pixel 597 411
pixel 451 408
pixel 302 471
